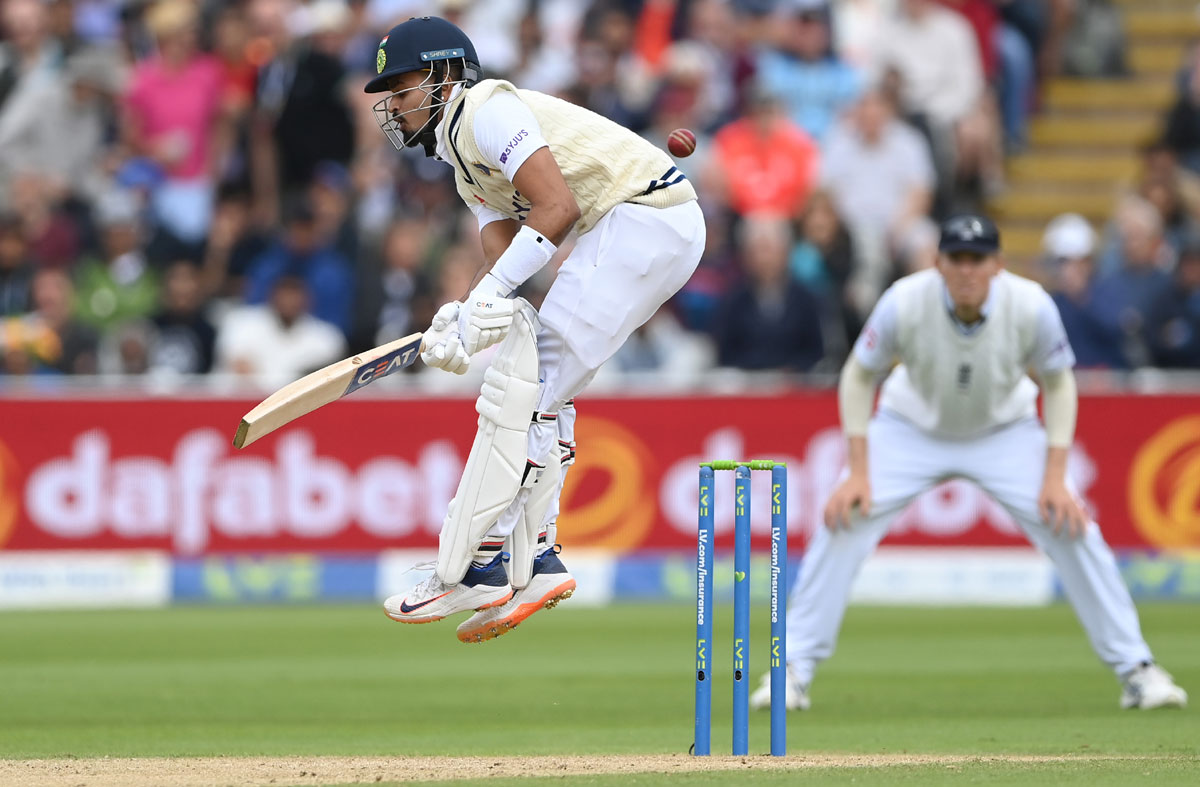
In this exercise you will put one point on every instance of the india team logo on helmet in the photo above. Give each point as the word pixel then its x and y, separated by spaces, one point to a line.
pixel 381 56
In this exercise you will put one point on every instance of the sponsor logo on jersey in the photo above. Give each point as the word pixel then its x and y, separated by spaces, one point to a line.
pixel 522 134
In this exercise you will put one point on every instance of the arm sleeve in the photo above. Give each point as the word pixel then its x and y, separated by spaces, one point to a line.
pixel 485 215
pixel 1060 406
pixel 507 133
pixel 875 348
pixel 1051 350
pixel 856 397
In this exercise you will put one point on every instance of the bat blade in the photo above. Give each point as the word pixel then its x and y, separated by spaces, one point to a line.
pixel 324 386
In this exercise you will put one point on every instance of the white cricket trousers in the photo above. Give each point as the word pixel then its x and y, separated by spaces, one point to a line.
pixel 1007 464
pixel 613 281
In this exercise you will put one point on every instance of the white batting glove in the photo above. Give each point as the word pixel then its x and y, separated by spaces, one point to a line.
pixel 486 318
pixel 443 346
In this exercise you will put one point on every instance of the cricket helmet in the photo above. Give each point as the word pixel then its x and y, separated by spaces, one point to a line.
pixel 429 44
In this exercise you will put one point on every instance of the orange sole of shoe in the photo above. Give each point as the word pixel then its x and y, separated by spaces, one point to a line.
pixel 519 614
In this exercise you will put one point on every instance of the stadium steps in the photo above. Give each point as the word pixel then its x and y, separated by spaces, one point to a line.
pixel 1084 141
pixel 1041 202
pixel 1159 58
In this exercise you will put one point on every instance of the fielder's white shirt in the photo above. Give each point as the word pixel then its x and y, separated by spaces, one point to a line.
pixel 955 380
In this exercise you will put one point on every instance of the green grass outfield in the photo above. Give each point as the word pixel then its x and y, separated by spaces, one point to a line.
pixel 334 680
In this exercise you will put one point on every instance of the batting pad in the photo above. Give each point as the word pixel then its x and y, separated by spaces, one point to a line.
pixel 495 468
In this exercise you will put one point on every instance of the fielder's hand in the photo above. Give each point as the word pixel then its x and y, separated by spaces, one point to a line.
pixel 854 491
pixel 486 317
pixel 1060 510
pixel 443 346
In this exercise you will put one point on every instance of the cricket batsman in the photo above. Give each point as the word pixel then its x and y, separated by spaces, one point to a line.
pixel 532 168
pixel 959 404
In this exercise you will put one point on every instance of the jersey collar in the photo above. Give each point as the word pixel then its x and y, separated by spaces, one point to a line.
pixel 440 129
pixel 965 328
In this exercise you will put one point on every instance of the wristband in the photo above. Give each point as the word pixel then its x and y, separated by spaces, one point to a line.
pixel 528 253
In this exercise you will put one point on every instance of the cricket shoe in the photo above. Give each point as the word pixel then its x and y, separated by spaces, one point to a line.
pixel 433 599
pixel 1149 687
pixel 795 696
pixel 550 584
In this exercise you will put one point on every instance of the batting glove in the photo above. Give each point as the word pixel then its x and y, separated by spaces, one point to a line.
pixel 443 346
pixel 487 317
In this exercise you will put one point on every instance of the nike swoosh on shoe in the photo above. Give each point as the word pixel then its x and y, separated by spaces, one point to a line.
pixel 405 608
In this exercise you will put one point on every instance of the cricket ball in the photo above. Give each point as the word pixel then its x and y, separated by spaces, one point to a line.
pixel 681 143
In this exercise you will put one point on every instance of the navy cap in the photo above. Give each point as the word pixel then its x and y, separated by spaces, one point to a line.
pixel 416 45
pixel 969 232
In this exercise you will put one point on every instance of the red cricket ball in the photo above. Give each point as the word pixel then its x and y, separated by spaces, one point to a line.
pixel 681 143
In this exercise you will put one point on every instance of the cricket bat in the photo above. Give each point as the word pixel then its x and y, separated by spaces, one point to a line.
pixel 324 386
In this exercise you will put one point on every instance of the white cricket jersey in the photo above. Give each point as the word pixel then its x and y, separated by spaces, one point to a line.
pixel 955 380
pixel 489 130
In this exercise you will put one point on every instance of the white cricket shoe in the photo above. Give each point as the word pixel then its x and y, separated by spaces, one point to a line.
pixel 433 600
pixel 550 584
pixel 1150 686
pixel 794 698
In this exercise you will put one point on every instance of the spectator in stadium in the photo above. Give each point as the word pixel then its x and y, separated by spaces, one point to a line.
pixel 880 176
pixel 768 320
pixel 1160 164
pixel 183 340
pixel 304 252
pixel 763 162
pixel 943 92
pixel 1068 245
pixel 1166 198
pixel 234 242
pixel 1016 40
pixel 301 115
pixel 540 64
pixel 86 118
pixel 804 72
pixel 16 269
pixel 1126 292
pixel 30 81
pixel 61 343
pixel 1182 124
pixel 118 285
pixel 823 260
pixel 720 30
pixel 858 26
pixel 400 302
pixel 1174 318
pixel 279 341
pixel 173 119
pixel 231 45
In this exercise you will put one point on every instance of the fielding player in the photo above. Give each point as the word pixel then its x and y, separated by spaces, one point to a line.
pixel 532 168
pixel 959 404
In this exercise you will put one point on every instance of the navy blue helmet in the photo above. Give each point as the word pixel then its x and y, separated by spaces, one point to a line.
pixel 428 44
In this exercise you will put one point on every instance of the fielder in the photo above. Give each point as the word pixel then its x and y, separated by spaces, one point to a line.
pixel 959 404
pixel 532 168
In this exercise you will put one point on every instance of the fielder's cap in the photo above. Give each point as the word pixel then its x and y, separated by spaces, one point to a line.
pixel 1069 236
pixel 969 232
pixel 418 43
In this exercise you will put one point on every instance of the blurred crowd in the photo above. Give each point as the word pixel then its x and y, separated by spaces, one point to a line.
pixel 196 186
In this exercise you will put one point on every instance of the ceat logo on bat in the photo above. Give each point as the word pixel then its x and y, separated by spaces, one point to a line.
pixel 10 494
pixel 384 365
